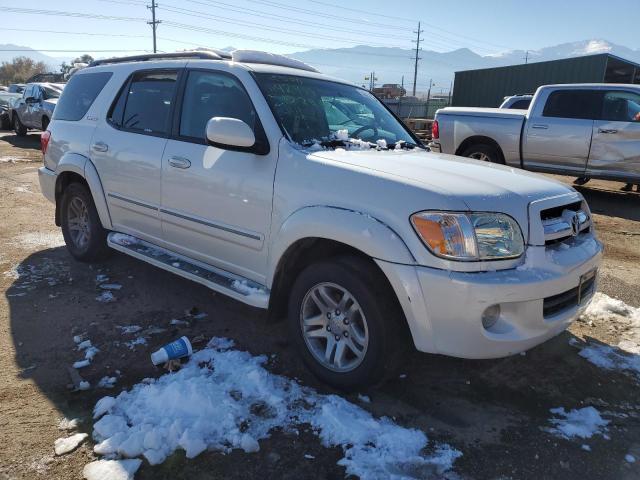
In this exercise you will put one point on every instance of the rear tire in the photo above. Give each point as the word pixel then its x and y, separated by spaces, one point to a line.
pixel 371 324
pixel 18 127
pixel 81 227
pixel 484 152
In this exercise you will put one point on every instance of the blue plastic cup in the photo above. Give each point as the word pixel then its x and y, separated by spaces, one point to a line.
pixel 172 351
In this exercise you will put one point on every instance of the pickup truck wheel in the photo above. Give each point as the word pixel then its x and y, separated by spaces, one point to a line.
pixel 18 127
pixel 483 152
pixel 346 323
pixel 81 227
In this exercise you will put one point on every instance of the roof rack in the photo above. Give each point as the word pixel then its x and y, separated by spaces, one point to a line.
pixel 202 54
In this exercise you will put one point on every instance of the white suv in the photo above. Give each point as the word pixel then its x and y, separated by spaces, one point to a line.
pixel 259 177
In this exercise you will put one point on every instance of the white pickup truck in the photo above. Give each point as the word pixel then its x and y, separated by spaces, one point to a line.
pixel 590 130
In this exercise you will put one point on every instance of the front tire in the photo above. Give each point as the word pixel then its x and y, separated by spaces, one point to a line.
pixel 484 152
pixel 346 323
pixel 18 127
pixel 81 227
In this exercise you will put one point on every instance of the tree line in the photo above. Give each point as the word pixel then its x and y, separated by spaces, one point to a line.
pixel 20 69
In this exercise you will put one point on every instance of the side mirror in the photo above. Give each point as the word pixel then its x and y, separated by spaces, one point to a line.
pixel 30 100
pixel 230 134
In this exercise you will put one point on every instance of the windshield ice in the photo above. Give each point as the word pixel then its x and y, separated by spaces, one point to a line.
pixel 320 113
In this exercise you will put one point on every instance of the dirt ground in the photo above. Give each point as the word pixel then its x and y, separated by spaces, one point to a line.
pixel 491 410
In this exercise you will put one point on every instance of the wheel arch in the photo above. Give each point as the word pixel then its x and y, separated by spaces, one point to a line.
pixel 480 140
pixel 315 233
pixel 77 168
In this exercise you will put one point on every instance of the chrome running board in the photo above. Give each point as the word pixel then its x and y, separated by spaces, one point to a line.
pixel 227 283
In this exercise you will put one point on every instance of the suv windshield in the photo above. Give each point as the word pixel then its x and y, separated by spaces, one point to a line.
pixel 319 112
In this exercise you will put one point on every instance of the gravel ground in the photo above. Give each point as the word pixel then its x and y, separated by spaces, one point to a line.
pixel 492 410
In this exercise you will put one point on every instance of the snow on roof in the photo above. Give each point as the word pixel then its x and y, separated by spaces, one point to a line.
pixel 256 56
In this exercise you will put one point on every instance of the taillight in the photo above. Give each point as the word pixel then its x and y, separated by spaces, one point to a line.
pixel 435 130
pixel 44 141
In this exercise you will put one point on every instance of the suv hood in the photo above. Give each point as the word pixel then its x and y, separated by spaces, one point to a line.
pixel 481 186
pixel 474 182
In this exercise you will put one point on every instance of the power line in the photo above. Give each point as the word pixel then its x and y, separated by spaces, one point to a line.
pixel 282 18
pixel 341 7
pixel 74 33
pixel 59 13
pixel 67 51
pixel 261 26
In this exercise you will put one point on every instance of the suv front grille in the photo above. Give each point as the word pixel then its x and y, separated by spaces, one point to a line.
pixel 563 222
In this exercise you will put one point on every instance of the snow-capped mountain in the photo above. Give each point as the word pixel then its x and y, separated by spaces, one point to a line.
pixel 390 64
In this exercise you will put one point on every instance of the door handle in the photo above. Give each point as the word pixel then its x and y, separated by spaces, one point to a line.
pixel 179 162
pixel 100 147
pixel 607 130
pixel 540 126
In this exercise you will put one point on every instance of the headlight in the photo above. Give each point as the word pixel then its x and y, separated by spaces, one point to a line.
pixel 469 236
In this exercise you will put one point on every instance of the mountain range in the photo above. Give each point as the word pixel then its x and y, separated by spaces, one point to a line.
pixel 391 64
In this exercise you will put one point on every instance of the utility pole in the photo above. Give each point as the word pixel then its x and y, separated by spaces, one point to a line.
pixel 431 84
pixel 415 68
pixel 154 23
pixel 526 57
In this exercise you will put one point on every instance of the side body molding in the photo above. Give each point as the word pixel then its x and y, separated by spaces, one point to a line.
pixel 356 229
pixel 81 165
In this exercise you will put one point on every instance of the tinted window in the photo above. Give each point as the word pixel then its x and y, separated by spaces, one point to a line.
pixel 209 94
pixel 79 95
pixel 520 104
pixel 148 101
pixel 621 106
pixel 584 104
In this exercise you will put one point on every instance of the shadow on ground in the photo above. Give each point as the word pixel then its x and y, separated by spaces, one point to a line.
pixel 491 410
pixel 613 203
pixel 30 141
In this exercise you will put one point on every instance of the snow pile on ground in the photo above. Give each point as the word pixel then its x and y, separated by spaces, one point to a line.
pixel 626 356
pixel 69 444
pixel 40 239
pixel 224 399
pixel 582 423
pixel 111 469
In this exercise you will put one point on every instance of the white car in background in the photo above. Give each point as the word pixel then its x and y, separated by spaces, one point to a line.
pixel 287 190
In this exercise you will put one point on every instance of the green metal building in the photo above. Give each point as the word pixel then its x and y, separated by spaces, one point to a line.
pixel 487 87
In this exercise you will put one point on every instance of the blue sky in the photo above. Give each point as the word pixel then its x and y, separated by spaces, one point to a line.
pixel 286 26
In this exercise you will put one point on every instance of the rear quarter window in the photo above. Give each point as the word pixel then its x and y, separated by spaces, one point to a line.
pixel 79 95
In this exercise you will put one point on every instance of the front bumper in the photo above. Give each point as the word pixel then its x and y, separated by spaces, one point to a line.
pixel 47 180
pixel 444 309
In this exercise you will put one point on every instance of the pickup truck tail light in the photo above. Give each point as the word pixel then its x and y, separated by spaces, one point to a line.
pixel 435 130
pixel 44 141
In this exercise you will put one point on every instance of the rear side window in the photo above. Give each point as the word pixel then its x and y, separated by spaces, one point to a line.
pixel 144 104
pixel 585 104
pixel 79 94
